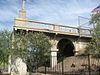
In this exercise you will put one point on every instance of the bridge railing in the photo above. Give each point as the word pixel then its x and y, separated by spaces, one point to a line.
pixel 85 32
pixel 54 28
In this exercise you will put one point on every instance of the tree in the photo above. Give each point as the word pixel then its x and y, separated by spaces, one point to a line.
pixel 19 45
pixel 39 49
pixel 5 45
pixel 94 45
pixel 33 48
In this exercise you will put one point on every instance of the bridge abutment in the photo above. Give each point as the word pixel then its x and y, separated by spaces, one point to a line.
pixel 54 51
pixel 80 47
pixel 54 57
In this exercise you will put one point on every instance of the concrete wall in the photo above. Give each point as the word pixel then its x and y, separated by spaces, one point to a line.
pixel 79 44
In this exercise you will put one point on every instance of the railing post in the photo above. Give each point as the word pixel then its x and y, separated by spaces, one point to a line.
pixel 89 64
pixel 45 69
pixel 62 65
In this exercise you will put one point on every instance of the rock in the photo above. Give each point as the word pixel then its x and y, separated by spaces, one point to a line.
pixel 19 67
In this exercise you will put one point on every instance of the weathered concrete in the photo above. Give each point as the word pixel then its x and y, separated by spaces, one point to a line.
pixel 18 67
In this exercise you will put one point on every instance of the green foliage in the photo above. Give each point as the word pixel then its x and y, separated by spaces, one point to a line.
pixel 5 44
pixel 31 47
pixel 34 48
pixel 39 49
pixel 19 45
pixel 94 45
pixel 95 18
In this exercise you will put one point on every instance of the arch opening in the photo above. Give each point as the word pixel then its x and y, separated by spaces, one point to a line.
pixel 66 49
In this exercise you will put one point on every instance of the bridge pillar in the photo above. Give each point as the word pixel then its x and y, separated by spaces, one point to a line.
pixel 54 53
pixel 54 57
pixel 77 47
pixel 80 47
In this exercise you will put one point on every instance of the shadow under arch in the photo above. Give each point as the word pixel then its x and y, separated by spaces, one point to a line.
pixel 66 49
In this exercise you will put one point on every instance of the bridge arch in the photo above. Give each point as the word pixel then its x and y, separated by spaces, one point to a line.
pixel 65 48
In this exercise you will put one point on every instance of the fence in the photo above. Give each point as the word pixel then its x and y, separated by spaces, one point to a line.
pixel 74 65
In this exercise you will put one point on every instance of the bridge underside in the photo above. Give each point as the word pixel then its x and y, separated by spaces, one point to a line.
pixel 66 49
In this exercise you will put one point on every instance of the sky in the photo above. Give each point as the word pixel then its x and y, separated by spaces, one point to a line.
pixel 65 12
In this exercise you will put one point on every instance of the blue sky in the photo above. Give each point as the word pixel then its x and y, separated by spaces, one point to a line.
pixel 53 11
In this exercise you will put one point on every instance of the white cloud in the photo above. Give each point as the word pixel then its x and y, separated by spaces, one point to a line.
pixel 54 11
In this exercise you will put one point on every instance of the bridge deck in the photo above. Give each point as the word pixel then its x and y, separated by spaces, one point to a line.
pixel 51 28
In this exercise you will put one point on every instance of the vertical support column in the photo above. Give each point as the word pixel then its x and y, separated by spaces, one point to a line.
pixel 76 47
pixel 9 58
pixel 79 47
pixel 54 57
pixel 22 11
pixel 9 66
pixel 54 51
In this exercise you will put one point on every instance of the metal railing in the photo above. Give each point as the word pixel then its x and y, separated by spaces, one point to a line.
pixel 79 65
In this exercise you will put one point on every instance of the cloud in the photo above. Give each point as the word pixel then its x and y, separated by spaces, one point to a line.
pixel 58 11
pixel 8 10
pixel 54 11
